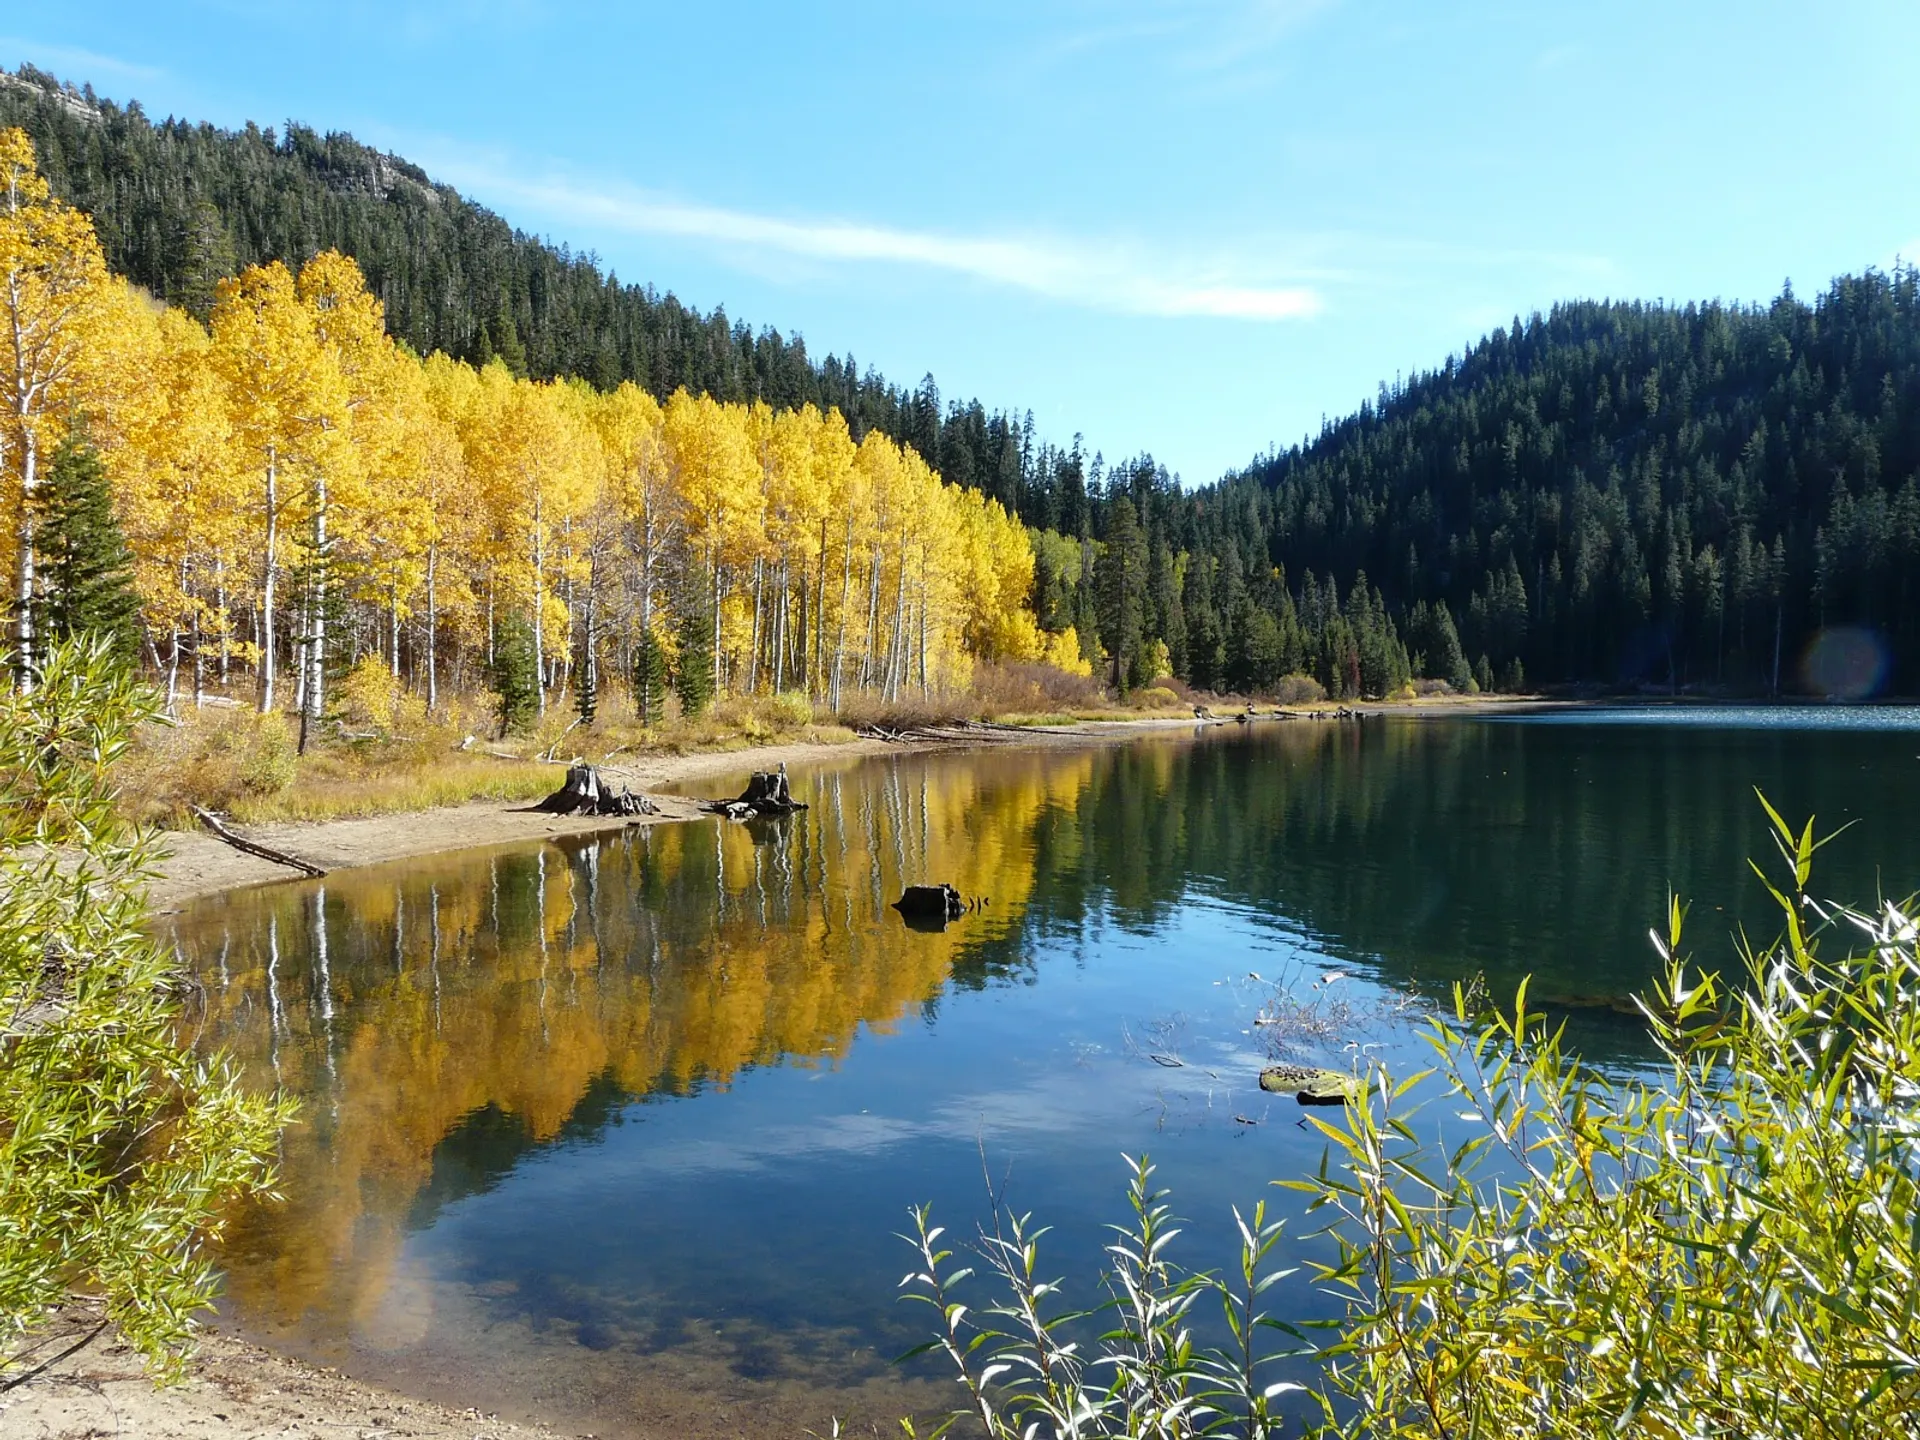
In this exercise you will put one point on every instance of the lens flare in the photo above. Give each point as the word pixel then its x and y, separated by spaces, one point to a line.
pixel 1845 662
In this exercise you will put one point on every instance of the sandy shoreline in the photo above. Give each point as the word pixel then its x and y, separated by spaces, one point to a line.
pixel 199 864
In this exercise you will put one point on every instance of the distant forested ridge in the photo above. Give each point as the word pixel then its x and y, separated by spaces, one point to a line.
pixel 1612 493
pixel 1631 492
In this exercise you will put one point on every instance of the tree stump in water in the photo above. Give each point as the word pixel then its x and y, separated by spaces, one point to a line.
pixel 930 907
pixel 766 794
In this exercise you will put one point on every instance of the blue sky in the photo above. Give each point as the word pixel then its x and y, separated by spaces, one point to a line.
pixel 1187 226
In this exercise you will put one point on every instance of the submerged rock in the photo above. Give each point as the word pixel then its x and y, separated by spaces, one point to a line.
pixel 1311 1085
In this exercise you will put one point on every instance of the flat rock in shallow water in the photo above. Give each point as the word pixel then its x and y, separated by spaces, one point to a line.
pixel 1310 1085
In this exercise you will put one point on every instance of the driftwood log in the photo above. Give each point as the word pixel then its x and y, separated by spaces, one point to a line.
pixel 254 847
pixel 766 794
pixel 585 793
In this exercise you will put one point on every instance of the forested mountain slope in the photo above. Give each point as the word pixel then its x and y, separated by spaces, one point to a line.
pixel 1629 492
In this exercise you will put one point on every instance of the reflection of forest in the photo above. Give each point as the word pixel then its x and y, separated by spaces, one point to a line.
pixel 437 1019
pixel 1439 850
pixel 441 1018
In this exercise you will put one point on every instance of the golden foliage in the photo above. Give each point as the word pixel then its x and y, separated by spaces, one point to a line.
pixel 291 457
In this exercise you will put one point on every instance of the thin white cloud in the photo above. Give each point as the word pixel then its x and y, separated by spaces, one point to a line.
pixel 72 64
pixel 1098 276
pixel 1185 35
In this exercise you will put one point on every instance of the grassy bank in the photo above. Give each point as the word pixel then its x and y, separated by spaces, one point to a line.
pixel 384 754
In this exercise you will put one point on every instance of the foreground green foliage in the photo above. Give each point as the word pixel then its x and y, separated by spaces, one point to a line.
pixel 118 1146
pixel 1730 1251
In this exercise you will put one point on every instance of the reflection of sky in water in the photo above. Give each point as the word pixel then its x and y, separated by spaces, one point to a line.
pixel 629 1131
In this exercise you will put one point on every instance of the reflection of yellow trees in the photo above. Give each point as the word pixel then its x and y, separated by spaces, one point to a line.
pixel 399 1000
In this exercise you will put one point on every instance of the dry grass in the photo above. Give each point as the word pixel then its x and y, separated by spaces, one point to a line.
pixel 225 757
pixel 232 760
pixel 389 756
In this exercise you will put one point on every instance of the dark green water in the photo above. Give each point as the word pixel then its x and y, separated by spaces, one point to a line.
pixel 619 1132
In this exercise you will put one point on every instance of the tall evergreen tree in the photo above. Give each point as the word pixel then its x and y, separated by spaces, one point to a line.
pixel 516 682
pixel 693 665
pixel 86 569
pixel 649 678
pixel 1121 576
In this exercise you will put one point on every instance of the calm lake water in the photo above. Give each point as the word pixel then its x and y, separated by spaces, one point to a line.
pixel 620 1131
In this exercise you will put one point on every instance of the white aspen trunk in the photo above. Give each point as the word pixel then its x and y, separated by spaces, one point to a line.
pixel 199 667
pixel 716 626
pixel 796 622
pixel 539 594
pixel 433 628
pixel 646 571
pixel 923 622
pixel 780 633
pixel 490 623
pixel 226 624
pixel 846 596
pixel 269 577
pixel 896 657
pixel 869 662
pixel 753 645
pixel 25 395
pixel 173 664
pixel 316 696
pixel 816 682
pixel 563 660
pixel 393 621
pixel 199 677
pixel 589 667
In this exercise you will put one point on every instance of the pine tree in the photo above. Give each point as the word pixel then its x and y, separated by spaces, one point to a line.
pixel 693 667
pixel 506 346
pixel 516 683
pixel 86 568
pixel 586 676
pixel 203 256
pixel 649 677
pixel 1121 575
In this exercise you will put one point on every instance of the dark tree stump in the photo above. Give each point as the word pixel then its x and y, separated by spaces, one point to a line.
pixel 766 794
pixel 930 907
pixel 579 796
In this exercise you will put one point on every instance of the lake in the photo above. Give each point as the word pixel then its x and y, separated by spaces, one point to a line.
pixel 619 1131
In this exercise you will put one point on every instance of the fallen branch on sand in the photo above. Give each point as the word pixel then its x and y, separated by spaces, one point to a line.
pixel 253 847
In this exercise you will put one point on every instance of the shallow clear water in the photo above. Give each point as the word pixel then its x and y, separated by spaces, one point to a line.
pixel 620 1131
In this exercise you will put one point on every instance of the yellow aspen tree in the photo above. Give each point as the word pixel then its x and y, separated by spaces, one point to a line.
pixel 365 440
pixel 718 479
pixel 458 521
pixel 288 405
pixel 832 452
pixel 179 493
pixel 55 289
pixel 878 465
pixel 785 442
pixel 538 460
pixel 632 436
